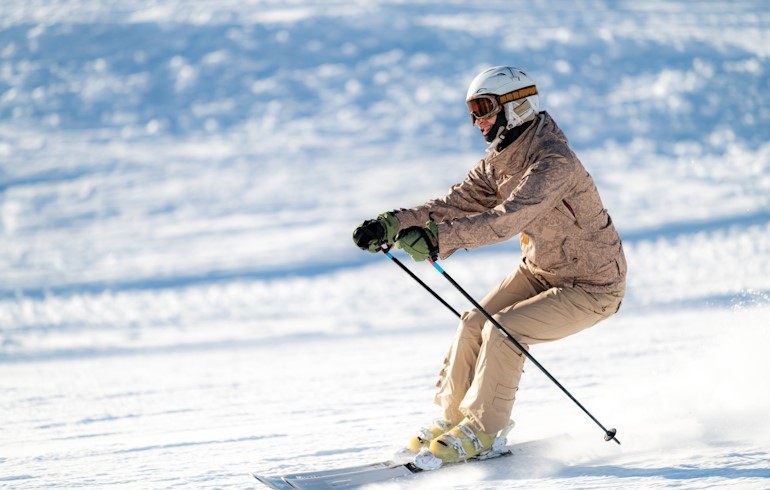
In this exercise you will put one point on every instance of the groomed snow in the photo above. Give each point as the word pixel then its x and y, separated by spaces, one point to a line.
pixel 181 303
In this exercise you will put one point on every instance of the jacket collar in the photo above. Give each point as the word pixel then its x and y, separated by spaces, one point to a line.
pixel 517 150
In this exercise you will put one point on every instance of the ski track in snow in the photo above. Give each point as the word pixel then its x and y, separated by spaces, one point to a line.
pixel 180 302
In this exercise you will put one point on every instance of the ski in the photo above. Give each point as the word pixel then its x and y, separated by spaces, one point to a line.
pixel 357 476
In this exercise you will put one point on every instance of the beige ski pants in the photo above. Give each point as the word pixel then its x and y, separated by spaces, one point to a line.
pixel 482 370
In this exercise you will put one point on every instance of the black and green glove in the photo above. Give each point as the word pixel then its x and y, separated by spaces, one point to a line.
pixel 372 234
pixel 419 242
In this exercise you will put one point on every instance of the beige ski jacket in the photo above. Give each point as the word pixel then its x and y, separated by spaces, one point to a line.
pixel 536 187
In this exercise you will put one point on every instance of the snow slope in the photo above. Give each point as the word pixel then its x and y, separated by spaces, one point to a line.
pixel 180 300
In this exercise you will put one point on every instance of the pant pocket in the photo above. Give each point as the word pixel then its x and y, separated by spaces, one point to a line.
pixel 502 404
pixel 605 304
pixel 505 393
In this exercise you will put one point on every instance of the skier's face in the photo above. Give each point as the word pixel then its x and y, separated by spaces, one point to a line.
pixel 485 124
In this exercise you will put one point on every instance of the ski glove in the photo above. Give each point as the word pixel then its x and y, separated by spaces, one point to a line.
pixel 373 233
pixel 419 242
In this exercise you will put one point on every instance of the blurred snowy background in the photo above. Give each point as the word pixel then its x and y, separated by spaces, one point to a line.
pixel 180 299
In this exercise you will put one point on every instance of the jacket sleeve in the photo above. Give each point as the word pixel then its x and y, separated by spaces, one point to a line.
pixel 474 195
pixel 540 188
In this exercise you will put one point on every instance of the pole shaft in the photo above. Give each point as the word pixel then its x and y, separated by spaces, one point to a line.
pixel 427 288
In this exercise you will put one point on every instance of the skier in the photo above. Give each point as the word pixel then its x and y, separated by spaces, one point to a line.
pixel 572 272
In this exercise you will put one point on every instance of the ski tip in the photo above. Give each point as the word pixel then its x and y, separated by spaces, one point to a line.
pixel 276 483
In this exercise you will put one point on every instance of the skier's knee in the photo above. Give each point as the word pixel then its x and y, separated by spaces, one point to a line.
pixel 492 334
pixel 471 323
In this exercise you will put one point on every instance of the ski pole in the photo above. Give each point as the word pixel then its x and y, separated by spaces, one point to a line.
pixel 386 251
pixel 609 434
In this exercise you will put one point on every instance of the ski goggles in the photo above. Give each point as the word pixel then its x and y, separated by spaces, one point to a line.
pixel 483 106
pixel 486 105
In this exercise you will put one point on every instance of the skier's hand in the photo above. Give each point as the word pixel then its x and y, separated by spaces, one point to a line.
pixel 373 233
pixel 419 242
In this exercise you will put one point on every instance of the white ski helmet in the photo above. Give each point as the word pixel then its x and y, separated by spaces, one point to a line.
pixel 503 87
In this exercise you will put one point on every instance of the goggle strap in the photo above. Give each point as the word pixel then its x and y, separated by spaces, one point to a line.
pixel 518 94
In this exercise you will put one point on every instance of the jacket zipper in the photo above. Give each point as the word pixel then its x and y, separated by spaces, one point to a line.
pixel 572 212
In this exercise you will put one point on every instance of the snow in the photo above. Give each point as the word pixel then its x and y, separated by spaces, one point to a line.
pixel 181 302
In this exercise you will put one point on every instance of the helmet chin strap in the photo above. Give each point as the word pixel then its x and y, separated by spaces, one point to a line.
pixel 500 137
pixel 515 125
pixel 513 120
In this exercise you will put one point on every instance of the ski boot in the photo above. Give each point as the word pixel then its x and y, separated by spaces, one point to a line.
pixel 463 442
pixel 425 435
